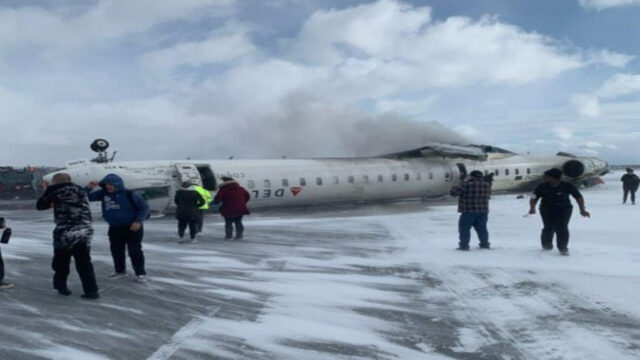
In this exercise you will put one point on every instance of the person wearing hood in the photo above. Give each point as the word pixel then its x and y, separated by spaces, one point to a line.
pixel 233 199
pixel 188 202
pixel 630 182
pixel 124 211
pixel 72 234
pixel 555 209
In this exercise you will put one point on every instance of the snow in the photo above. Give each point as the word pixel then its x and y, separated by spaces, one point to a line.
pixel 379 282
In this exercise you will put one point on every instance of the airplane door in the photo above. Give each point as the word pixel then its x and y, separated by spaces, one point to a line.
pixel 188 172
pixel 463 170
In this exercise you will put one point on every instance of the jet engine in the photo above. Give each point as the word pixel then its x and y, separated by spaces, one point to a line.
pixel 584 168
pixel 573 168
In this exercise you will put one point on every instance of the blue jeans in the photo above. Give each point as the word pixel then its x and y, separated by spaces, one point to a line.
pixel 476 220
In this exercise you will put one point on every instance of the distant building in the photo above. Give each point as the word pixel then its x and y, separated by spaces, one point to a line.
pixel 21 183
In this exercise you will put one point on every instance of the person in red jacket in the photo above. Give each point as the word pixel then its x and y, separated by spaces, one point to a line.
pixel 233 199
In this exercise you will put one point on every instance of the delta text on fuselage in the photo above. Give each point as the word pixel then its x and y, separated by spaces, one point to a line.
pixel 427 172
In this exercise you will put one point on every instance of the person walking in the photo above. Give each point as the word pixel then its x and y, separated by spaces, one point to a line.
pixel 556 209
pixel 125 211
pixel 206 197
pixel 630 182
pixel 72 234
pixel 188 202
pixel 233 199
pixel 473 206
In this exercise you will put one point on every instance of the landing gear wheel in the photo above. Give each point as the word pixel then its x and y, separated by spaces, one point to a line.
pixel 99 145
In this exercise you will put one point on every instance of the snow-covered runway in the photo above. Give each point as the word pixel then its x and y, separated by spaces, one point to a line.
pixel 382 282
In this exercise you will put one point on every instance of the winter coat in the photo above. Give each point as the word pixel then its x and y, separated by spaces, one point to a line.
pixel 630 181
pixel 188 202
pixel 71 213
pixel 120 208
pixel 233 198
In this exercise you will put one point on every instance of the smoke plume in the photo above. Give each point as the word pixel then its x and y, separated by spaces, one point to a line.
pixel 309 129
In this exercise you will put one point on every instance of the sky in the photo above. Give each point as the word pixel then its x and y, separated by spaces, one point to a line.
pixel 208 79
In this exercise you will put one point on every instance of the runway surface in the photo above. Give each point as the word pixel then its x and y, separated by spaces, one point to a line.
pixel 374 282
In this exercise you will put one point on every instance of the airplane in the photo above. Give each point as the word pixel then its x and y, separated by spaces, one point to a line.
pixel 424 173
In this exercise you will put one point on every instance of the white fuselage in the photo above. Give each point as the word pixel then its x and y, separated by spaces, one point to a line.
pixel 292 182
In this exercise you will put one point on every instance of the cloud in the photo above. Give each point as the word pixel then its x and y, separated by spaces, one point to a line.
pixel 206 81
pixel 605 4
pixel 402 43
pixel 619 85
pixel 218 48
pixel 609 58
pixel 562 133
pixel 106 20
pixel 587 105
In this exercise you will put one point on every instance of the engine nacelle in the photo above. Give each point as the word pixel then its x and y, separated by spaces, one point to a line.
pixel 573 168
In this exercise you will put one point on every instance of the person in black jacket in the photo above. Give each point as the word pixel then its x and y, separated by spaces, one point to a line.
pixel 3 284
pixel 188 201
pixel 556 209
pixel 72 234
pixel 630 182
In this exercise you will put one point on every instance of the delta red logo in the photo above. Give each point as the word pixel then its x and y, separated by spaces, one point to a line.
pixel 295 190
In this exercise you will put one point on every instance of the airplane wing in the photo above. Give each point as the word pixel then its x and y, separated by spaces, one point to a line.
pixel 437 150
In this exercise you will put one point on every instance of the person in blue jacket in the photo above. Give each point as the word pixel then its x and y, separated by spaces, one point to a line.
pixel 125 211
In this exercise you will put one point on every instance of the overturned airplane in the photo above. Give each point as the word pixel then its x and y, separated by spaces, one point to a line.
pixel 427 172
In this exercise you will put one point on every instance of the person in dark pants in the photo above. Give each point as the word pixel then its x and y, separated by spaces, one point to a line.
pixel 72 234
pixel 473 206
pixel 556 209
pixel 630 182
pixel 125 211
pixel 3 284
pixel 206 196
pixel 188 202
pixel 233 199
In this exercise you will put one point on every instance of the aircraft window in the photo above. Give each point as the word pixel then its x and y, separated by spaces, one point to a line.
pixel 517 171
pixel 406 177
pixel 497 172
pixel 303 181
pixel 319 181
pixel 285 182
pixel 251 184
pixel 267 184
pixel 153 192
pixel 419 176
pixel 528 171
pixel 394 177
pixel 336 180
pixel 380 178
pixel 365 179
pixel 351 179
pixel 447 175
pixel 430 176
pixel 506 171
